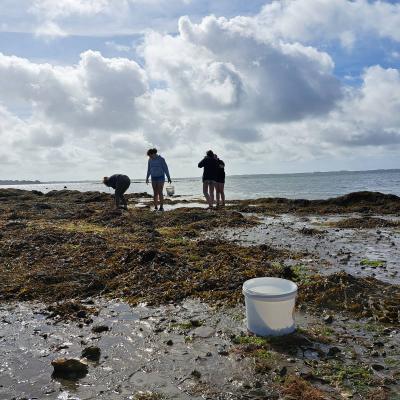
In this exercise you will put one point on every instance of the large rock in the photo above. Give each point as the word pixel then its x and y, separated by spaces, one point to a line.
pixel 69 368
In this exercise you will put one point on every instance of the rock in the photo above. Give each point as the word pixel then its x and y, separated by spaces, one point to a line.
pixel 169 342
pixel 203 332
pixel 328 319
pixel 223 352
pixel 196 374
pixel 379 344
pixel 81 314
pixel 377 367
pixel 92 353
pixel 282 371
pixel 69 368
pixel 196 323
pixel 100 328
pixel 333 351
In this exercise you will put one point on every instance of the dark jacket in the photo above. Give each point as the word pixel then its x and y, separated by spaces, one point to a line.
pixel 210 165
pixel 113 180
pixel 220 171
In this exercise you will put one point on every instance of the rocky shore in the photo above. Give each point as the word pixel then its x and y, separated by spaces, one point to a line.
pixel 166 287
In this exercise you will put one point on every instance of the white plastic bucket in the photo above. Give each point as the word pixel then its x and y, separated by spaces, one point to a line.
pixel 270 306
pixel 170 190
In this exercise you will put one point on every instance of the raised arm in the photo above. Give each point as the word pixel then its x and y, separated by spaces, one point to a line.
pixel 201 163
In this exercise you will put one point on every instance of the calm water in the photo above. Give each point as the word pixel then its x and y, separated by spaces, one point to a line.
pixel 307 186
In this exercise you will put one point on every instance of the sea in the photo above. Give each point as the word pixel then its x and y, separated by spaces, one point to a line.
pixel 316 185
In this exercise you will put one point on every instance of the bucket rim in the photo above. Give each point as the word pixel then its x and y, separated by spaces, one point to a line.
pixel 248 292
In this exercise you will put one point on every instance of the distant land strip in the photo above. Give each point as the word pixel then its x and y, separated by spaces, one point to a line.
pixel 11 182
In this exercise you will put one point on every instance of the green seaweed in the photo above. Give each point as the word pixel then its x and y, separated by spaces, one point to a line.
pixel 372 263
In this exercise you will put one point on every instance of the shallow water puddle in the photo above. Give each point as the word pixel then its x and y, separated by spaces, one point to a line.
pixel 145 349
pixel 352 250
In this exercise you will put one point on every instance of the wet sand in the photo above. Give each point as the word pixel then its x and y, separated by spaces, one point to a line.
pixel 168 287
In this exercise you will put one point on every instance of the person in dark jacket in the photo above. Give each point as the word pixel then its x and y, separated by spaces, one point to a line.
pixel 210 165
pixel 220 182
pixel 121 184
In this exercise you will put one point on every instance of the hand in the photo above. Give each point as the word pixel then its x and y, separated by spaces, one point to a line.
pixel 147 181
pixel 169 181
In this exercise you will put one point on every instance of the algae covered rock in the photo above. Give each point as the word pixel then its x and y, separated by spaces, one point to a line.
pixel 69 368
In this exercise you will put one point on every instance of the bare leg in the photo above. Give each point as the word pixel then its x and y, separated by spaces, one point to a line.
pixel 155 193
pixel 211 188
pixel 206 195
pixel 222 191
pixel 217 193
pixel 160 188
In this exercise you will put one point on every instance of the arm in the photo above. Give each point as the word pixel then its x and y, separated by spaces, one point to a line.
pixel 201 163
pixel 148 172
pixel 165 168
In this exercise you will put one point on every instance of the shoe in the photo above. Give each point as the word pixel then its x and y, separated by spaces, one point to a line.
pixel 155 208
pixel 161 208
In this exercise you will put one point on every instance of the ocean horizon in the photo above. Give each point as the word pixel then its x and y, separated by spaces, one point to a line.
pixel 307 185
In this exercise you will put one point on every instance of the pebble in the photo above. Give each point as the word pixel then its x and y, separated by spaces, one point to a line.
pixel 196 374
pixel 282 371
pixel 100 328
pixel 81 314
pixel 92 353
pixel 328 319
pixel 333 351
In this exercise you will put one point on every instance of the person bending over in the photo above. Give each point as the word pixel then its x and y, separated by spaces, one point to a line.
pixel 121 184
pixel 210 165
pixel 157 168
pixel 220 182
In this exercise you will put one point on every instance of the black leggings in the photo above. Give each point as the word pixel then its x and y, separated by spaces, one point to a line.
pixel 122 186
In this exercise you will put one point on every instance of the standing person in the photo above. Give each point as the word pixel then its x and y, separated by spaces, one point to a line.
pixel 121 184
pixel 220 182
pixel 210 165
pixel 157 168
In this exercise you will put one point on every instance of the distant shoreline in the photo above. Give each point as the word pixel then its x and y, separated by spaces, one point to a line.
pixel 22 182
pixel 27 182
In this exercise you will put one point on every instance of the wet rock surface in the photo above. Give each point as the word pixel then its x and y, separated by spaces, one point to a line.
pixel 69 368
pixel 137 355
pixel 71 251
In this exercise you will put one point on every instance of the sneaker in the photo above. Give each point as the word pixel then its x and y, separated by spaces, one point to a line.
pixel 155 208
pixel 161 208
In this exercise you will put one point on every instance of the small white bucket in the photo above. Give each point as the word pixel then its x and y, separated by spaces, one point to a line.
pixel 170 190
pixel 270 306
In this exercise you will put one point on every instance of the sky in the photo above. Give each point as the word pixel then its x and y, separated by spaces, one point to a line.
pixel 87 86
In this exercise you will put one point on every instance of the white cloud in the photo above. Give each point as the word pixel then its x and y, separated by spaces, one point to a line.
pixel 246 88
pixel 215 65
pixel 98 93
pixel 322 20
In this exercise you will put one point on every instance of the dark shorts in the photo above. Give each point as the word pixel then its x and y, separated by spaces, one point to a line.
pixel 220 180
pixel 158 178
